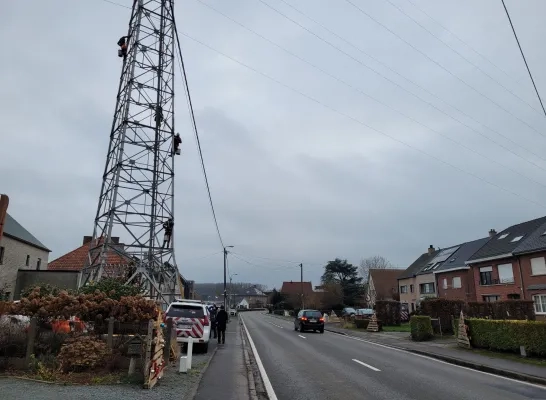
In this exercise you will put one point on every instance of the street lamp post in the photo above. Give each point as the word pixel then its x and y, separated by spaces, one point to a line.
pixel 225 269
pixel 231 290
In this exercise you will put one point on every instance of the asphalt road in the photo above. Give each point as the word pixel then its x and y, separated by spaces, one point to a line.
pixel 330 366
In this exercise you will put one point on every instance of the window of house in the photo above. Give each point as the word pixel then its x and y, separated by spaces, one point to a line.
pixel 516 239
pixel 491 298
pixel 540 303
pixel 486 276
pixel 426 288
pixel 514 296
pixel 456 282
pixel 38 263
pixel 1 255
pixel 503 236
pixel 412 306
pixel 538 266
pixel 404 289
pixel 27 263
pixel 411 288
pixel 506 273
pixel 444 284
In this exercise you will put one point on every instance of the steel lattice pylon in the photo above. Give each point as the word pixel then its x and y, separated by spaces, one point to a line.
pixel 137 194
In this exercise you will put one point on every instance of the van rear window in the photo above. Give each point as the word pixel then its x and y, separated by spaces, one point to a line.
pixel 185 311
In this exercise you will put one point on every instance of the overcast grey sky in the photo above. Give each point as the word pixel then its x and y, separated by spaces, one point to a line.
pixel 291 178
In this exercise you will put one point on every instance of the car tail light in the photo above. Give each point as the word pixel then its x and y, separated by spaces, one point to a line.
pixel 206 321
pixel 304 318
pixel 321 319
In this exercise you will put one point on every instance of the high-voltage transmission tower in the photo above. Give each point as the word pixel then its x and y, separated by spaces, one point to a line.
pixel 137 194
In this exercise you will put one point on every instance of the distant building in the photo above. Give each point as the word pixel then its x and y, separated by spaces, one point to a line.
pixel 382 285
pixel 19 249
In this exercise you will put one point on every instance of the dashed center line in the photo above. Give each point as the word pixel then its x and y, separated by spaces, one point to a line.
pixel 366 365
pixel 278 326
pixel 301 336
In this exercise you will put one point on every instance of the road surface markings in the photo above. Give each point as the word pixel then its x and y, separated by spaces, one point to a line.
pixel 440 361
pixel 267 383
pixel 303 337
pixel 366 365
pixel 278 326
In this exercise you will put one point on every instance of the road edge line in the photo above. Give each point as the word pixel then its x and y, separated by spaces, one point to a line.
pixel 485 369
pixel 267 383
pixel 249 374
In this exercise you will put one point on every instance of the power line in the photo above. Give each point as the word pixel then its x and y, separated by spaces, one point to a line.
pixel 462 41
pixel 266 258
pixel 360 91
pixel 460 55
pixel 265 266
pixel 440 65
pixel 195 130
pixel 362 123
pixel 415 84
pixel 117 4
pixel 523 56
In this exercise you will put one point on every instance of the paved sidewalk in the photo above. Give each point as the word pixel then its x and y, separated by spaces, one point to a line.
pixel 226 378
pixel 446 349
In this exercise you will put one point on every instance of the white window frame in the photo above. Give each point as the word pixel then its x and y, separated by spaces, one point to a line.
pixel 543 262
pixel 404 289
pixel 459 280
pixel 505 267
pixel 543 312
pixel 444 283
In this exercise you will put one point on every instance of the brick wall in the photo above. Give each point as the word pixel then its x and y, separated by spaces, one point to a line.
pixel 15 255
pixel 467 290
pixel 530 279
pixel 501 289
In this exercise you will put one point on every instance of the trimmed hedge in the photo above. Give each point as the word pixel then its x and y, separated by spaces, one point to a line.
pixel 506 335
pixel 444 310
pixel 506 309
pixel 388 311
pixel 421 328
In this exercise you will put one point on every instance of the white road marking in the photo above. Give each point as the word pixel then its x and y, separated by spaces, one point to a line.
pixel 440 361
pixel 366 365
pixel 267 383
pixel 302 336
pixel 278 326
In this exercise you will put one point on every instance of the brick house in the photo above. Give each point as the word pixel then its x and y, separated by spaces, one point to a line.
pixel 511 265
pixel 455 279
pixel 382 285
pixel 19 250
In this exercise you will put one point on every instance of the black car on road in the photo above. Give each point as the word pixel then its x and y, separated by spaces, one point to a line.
pixel 309 320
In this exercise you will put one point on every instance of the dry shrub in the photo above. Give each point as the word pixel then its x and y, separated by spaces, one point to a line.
pixel 83 353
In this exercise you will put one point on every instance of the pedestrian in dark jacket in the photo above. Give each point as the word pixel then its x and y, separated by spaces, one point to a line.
pixel 221 322
pixel 213 312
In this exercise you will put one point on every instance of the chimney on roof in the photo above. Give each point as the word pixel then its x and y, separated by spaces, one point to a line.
pixel 431 249
pixel 492 233
pixel 87 239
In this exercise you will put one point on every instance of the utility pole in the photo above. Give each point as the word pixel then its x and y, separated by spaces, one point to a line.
pixel 225 275
pixel 301 282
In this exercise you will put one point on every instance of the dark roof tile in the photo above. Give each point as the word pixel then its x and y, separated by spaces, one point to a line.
pixel 502 242
pixel 465 251
pixel 417 265
pixel 15 230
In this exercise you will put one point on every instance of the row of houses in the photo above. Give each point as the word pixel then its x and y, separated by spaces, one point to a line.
pixel 503 265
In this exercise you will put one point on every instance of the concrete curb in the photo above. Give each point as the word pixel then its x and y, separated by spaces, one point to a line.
pixel 250 376
pixel 193 391
pixel 463 363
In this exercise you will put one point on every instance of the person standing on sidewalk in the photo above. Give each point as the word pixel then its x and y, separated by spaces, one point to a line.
pixel 221 322
pixel 213 311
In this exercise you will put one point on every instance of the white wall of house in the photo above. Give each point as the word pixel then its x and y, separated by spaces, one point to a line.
pixel 15 257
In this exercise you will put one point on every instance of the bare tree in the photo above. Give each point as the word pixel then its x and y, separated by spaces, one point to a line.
pixel 375 262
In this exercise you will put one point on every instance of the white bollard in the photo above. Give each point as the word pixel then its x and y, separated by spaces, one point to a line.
pixel 183 367
pixel 190 351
